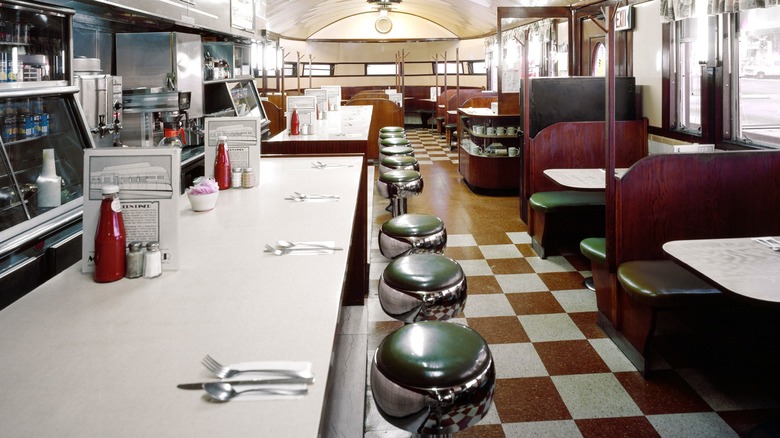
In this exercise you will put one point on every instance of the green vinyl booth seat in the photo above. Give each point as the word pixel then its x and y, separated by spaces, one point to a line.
pixel 560 220
pixel 433 378
pixel 422 287
pixel 412 233
pixel 648 287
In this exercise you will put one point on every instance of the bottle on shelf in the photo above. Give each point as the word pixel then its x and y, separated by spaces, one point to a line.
pixel 295 124
pixel 49 184
pixel 222 168
pixel 110 238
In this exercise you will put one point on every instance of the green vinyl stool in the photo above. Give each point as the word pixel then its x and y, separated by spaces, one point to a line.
pixel 392 129
pixel 433 378
pixel 412 233
pixel 397 186
pixel 399 162
pixel 422 287
pixel 394 146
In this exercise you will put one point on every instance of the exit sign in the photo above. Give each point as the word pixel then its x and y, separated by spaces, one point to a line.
pixel 624 18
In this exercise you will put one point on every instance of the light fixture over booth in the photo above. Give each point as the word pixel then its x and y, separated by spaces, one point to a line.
pixel 383 24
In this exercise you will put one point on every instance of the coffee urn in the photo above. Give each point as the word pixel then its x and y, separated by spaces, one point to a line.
pixel 100 96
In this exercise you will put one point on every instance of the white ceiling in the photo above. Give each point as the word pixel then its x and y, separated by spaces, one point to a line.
pixel 300 19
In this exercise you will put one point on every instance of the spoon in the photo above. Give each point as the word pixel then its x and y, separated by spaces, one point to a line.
pixel 302 196
pixel 224 391
pixel 284 244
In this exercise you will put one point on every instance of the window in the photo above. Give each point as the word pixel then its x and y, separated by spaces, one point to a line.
pixel 380 69
pixel 290 69
pixel 478 67
pixel 317 69
pixel 691 55
pixel 756 74
pixel 451 68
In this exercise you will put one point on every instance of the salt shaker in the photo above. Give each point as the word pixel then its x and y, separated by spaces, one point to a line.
pixel 135 261
pixel 248 179
pixel 235 178
pixel 152 260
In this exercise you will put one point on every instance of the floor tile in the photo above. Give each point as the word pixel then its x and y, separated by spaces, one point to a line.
pixel 578 300
pixel 510 266
pixel 529 399
pixel 499 329
pixel 487 305
pixel 534 303
pixel 704 425
pixel 506 251
pixel 595 396
pixel 665 393
pixel 570 357
pixel 483 284
pixel 515 283
pixel 517 360
pixel 551 327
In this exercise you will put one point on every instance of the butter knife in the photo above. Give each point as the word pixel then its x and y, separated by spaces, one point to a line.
pixel 199 385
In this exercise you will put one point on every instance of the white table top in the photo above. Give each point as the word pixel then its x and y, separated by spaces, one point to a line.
pixel 581 179
pixel 740 266
pixel 86 359
pixel 351 122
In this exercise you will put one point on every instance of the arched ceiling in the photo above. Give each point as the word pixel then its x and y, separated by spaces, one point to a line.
pixel 300 19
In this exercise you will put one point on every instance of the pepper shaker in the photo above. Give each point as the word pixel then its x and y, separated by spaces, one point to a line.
pixel 135 261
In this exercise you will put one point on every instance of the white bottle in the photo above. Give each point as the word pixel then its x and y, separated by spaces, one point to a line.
pixel 49 184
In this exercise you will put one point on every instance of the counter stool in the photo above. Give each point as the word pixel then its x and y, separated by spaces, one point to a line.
pixel 451 133
pixel 397 186
pixel 412 233
pixel 388 151
pixel 422 287
pixel 440 126
pixel 399 162
pixel 393 141
pixel 433 378
pixel 384 135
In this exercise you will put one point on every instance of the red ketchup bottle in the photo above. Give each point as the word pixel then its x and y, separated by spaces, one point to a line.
pixel 110 238
pixel 295 125
pixel 222 164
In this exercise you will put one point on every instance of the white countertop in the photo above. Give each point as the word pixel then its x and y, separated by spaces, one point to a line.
pixel 349 123
pixel 582 179
pixel 86 359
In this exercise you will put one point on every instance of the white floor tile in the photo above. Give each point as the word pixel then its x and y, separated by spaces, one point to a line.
pixel 699 424
pixel 500 251
pixel 517 360
pixel 512 283
pixel 577 300
pixel 558 429
pixel 550 327
pixel 550 264
pixel 475 267
pixel 595 396
pixel 487 305
pixel 456 240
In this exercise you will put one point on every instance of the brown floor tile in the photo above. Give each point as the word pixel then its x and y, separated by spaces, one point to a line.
pixel 526 250
pixel 510 266
pixel 534 303
pixel 482 431
pixel 628 427
pixel 499 329
pixel 482 284
pixel 665 393
pixel 463 253
pixel 529 399
pixel 570 357
pixel 562 280
pixel 491 237
pixel 587 323
pixel 579 261
pixel 756 421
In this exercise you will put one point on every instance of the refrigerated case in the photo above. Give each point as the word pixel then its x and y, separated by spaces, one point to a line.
pixel 38 239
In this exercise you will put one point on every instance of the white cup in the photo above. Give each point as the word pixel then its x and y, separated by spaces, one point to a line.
pixel 476 150
pixel 478 129
pixel 500 130
pixel 491 130
pixel 511 130
pixel 513 152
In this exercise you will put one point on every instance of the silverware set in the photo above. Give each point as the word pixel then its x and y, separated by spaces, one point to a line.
pixel 300 197
pixel 222 391
pixel 284 247
pixel 770 242
pixel 321 165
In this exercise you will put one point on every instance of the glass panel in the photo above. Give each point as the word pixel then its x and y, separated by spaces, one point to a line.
pixel 32 46
pixel 31 125
pixel 245 99
pixel 691 55
pixel 758 64
pixel 380 69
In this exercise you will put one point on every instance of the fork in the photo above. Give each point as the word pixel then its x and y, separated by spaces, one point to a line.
pixel 224 372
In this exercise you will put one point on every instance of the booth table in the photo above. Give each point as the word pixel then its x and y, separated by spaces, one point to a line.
pixel 582 179
pixel 86 359
pixel 740 265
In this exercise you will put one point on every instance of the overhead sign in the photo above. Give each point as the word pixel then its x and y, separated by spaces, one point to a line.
pixel 624 19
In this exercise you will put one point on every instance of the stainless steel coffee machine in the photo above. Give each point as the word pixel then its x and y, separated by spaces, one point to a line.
pixel 163 83
pixel 100 96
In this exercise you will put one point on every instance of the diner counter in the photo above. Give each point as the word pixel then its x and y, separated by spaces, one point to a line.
pixel 350 123
pixel 86 359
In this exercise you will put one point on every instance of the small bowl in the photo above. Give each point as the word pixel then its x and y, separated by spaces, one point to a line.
pixel 203 202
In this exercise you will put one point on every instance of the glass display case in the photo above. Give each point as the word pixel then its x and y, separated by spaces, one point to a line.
pixel 234 98
pixel 489 149
pixel 42 138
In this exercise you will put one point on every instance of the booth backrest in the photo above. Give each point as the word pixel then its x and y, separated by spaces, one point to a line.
pixel 578 145
pixel 695 196
pixel 275 116
pixel 385 113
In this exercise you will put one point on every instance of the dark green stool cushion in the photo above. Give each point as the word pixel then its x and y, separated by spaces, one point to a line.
pixel 396 150
pixel 383 135
pixel 553 201
pixel 399 176
pixel 413 225
pixel 392 129
pixel 423 272
pixel 394 141
pixel 594 248
pixel 399 160
pixel 663 283
pixel 433 354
